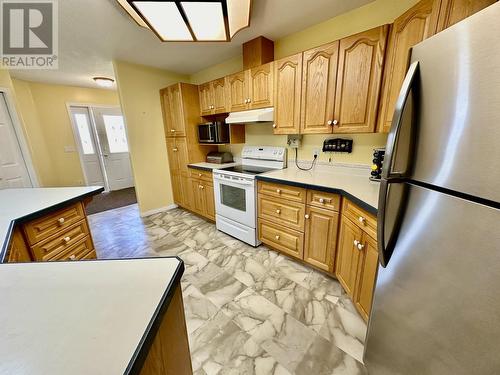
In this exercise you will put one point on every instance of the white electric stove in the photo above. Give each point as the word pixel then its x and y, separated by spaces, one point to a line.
pixel 236 194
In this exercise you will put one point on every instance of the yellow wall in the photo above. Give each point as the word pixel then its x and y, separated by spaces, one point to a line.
pixel 138 87
pixel 49 130
pixel 369 16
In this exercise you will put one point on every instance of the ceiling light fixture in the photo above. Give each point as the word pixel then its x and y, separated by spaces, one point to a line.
pixel 190 20
pixel 104 81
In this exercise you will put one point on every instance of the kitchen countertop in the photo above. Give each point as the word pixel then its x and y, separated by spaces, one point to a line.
pixel 350 182
pixel 24 204
pixel 211 166
pixel 92 317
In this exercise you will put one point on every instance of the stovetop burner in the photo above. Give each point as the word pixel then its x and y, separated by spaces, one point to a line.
pixel 247 169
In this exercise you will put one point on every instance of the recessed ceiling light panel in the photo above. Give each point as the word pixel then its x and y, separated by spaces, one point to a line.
pixel 190 20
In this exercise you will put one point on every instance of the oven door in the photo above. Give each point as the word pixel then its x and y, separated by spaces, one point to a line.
pixel 235 199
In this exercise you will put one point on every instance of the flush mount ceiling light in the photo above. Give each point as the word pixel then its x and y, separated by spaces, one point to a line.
pixel 190 21
pixel 104 81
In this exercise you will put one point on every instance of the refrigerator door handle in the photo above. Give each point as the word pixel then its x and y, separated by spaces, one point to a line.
pixel 401 135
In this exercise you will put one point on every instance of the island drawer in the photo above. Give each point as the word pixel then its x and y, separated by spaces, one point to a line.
pixel 44 227
pixel 329 201
pixel 60 242
pixel 290 193
pixel 201 175
pixel 82 250
pixel 281 211
pixel 366 221
pixel 286 240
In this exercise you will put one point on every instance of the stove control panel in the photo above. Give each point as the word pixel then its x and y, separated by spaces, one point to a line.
pixel 264 153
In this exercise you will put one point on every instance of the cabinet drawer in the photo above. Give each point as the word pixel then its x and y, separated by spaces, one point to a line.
pixel 329 201
pixel 52 246
pixel 288 241
pixel 201 175
pixel 289 214
pixel 290 193
pixel 82 250
pixel 44 227
pixel 366 221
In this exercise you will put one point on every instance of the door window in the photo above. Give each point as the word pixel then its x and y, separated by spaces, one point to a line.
pixel 82 124
pixel 233 197
pixel 115 133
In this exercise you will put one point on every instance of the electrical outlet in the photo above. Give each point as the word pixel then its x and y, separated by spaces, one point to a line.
pixel 316 152
pixel 294 141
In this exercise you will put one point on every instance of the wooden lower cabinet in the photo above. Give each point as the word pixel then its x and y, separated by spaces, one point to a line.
pixel 169 353
pixel 288 241
pixel 367 274
pixel 19 251
pixel 201 191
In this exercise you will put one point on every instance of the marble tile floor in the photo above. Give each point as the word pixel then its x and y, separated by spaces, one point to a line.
pixel 248 310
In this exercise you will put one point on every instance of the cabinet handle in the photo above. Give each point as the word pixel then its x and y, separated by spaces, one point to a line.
pixel 329 122
pixel 321 200
pixel 274 125
pixel 278 191
pixel 278 211
pixel 175 149
pixel 360 246
pixel 67 239
pixel 307 216
pixel 202 187
pixel 172 130
pixel 335 122
pixel 362 220
pixel 277 237
pixel 356 242
pixel 73 257
pixel 249 100
pixel 199 174
pixel 61 221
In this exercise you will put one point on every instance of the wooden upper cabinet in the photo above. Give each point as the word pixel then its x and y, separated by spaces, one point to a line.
pixel 348 255
pixel 412 27
pixel 318 88
pixel 453 11
pixel 260 86
pixel 219 96
pixel 206 98
pixel 287 92
pixel 175 117
pixel 367 275
pixel 237 91
pixel 361 59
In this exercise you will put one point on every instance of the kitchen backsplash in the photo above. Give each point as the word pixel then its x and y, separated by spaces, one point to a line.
pixel 262 135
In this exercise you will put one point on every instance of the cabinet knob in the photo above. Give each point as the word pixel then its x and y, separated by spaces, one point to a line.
pixel 362 220
pixel 356 242
pixel 202 187
pixel 277 237
pixel 172 130
pixel 321 200
pixel 249 100
pixel 67 239
pixel 73 257
pixel 274 125
pixel 360 246
pixel 175 149
pixel 199 174
pixel 307 216
pixel 335 122
pixel 278 211
pixel 329 122
pixel 61 221
pixel 278 191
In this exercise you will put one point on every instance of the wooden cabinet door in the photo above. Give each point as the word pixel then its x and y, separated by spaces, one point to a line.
pixel 177 188
pixel 172 153
pixel 366 276
pixel 412 27
pixel 209 204
pixel 318 88
pixel 176 111
pixel 167 114
pixel 260 86
pixel 182 154
pixel 348 255
pixel 237 91
pixel 18 250
pixel 219 96
pixel 320 237
pixel 187 198
pixel 453 11
pixel 359 78
pixel 197 202
pixel 206 98
pixel 287 92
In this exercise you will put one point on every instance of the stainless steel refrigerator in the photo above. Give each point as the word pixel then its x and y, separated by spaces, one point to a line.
pixel 436 306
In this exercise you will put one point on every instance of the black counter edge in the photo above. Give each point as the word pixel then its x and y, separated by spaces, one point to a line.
pixel 344 193
pixel 39 213
pixel 201 168
pixel 139 357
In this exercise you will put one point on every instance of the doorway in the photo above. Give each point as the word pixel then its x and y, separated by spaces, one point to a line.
pixel 102 144
pixel 15 164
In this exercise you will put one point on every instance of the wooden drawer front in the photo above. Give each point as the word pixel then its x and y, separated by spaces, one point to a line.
pixel 289 241
pixel 60 242
pixel 290 193
pixel 44 227
pixel 282 212
pixel 366 221
pixel 201 175
pixel 320 199
pixel 79 251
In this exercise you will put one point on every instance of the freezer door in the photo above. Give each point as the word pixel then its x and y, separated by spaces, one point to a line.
pixel 436 307
pixel 458 140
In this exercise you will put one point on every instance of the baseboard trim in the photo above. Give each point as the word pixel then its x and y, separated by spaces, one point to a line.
pixel 159 210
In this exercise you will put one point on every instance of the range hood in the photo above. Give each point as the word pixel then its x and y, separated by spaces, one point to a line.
pixel 254 115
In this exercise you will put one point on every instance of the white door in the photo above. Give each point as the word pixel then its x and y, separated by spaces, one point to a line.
pixel 112 136
pixel 87 146
pixel 13 170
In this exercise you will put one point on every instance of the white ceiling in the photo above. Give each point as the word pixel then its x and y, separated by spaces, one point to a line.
pixel 94 32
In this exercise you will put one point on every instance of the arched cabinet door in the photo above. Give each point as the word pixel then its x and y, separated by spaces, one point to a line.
pixel 318 89
pixel 359 78
pixel 237 91
pixel 261 86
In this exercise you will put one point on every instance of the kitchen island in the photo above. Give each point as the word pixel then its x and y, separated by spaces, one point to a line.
pixel 95 317
pixel 39 224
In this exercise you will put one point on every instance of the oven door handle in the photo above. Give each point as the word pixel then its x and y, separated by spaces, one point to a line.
pixel 232 182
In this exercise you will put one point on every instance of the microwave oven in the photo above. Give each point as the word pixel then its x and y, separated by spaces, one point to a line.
pixel 216 132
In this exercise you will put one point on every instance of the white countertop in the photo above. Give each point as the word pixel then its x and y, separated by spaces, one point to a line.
pixel 78 317
pixel 212 166
pixel 353 181
pixel 18 203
